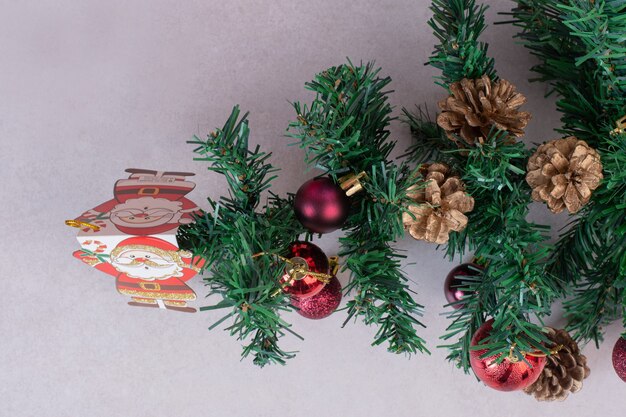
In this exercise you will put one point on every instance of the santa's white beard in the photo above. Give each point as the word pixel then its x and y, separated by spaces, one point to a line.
pixel 159 269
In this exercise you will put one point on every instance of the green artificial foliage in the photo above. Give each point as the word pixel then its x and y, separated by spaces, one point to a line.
pixel 581 47
pixel 514 286
pixel 457 25
pixel 233 230
pixel 345 131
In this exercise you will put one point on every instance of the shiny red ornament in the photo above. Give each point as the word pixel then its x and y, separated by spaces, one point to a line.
pixel 320 305
pixel 310 258
pixel 454 282
pixel 506 375
pixel 321 205
pixel 619 358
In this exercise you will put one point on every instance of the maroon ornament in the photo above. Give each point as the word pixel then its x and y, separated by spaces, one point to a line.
pixel 454 282
pixel 619 358
pixel 308 257
pixel 321 205
pixel 507 375
pixel 320 305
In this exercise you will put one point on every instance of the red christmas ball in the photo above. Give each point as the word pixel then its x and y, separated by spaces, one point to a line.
pixel 309 257
pixel 455 281
pixel 507 375
pixel 320 305
pixel 619 358
pixel 321 205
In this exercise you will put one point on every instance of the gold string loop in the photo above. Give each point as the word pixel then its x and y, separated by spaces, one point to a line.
pixel 536 354
pixel 79 224
pixel 298 270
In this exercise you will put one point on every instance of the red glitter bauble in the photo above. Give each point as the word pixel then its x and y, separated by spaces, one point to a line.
pixel 454 282
pixel 619 358
pixel 310 258
pixel 320 305
pixel 321 205
pixel 507 375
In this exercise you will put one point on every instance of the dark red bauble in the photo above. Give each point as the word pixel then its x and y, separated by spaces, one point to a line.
pixel 310 258
pixel 619 358
pixel 320 305
pixel 505 376
pixel 454 282
pixel 321 205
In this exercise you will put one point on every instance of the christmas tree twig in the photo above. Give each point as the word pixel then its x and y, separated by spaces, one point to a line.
pixel 513 286
pixel 582 53
pixel 229 235
pixel 345 131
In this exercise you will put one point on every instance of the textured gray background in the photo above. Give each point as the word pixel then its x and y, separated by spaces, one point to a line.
pixel 90 88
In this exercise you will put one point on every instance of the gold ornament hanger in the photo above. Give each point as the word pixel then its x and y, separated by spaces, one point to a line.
pixel 80 224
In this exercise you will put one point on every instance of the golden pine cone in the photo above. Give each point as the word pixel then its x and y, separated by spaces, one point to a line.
pixel 440 205
pixel 476 106
pixel 564 371
pixel 563 173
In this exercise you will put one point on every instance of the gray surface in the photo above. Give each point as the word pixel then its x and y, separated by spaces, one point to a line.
pixel 89 88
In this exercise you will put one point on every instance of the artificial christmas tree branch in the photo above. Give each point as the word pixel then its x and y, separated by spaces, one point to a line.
pixel 513 286
pixel 345 131
pixel 229 235
pixel 580 45
pixel 457 25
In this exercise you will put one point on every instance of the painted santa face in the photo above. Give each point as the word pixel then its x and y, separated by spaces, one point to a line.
pixel 146 212
pixel 143 264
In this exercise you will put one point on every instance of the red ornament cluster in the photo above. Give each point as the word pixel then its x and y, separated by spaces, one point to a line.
pixel 506 375
pixel 312 298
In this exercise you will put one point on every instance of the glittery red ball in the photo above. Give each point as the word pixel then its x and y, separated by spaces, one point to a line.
pixel 311 258
pixel 320 305
pixel 455 281
pixel 619 358
pixel 505 376
pixel 321 205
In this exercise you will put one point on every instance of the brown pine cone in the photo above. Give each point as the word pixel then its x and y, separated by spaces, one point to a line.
pixel 441 204
pixel 563 173
pixel 476 106
pixel 564 371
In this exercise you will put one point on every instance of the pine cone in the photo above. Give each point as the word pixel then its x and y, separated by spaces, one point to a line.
pixel 476 106
pixel 563 173
pixel 441 204
pixel 564 371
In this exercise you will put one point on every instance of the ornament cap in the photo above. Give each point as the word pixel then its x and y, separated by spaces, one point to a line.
pixel 297 268
pixel 350 183
pixel 620 126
